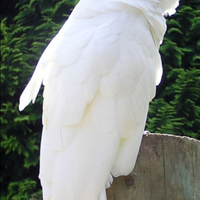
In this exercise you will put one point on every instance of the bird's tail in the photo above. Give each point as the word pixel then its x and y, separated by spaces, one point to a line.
pixel 102 196
pixel 30 92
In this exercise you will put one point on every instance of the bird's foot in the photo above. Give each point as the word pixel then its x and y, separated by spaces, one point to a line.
pixel 146 133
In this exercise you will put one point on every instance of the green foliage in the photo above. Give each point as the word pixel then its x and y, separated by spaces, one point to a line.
pixel 20 190
pixel 23 38
pixel 176 108
pixel 27 28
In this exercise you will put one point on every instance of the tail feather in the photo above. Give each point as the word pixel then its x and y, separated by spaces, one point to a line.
pixel 29 94
pixel 102 196
pixel 109 181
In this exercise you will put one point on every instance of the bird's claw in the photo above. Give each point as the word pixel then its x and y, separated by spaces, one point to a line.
pixel 146 133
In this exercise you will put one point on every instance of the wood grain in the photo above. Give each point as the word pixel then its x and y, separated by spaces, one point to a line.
pixel 167 168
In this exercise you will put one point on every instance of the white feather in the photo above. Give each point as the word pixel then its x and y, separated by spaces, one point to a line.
pixel 99 73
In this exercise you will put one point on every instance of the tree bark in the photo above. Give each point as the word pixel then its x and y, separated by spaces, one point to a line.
pixel 167 168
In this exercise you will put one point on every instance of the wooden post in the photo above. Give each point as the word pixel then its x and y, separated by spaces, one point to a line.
pixel 167 168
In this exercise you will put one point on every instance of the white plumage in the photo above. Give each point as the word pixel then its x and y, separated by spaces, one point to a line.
pixel 99 73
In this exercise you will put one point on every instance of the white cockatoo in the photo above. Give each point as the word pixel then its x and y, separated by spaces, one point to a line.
pixel 99 74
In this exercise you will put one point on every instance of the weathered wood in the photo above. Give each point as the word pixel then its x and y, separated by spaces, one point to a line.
pixel 167 168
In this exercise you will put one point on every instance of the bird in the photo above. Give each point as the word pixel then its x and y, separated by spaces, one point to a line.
pixel 99 72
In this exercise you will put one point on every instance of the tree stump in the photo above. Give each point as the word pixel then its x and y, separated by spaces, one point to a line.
pixel 167 168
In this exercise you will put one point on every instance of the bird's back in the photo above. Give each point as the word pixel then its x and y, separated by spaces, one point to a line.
pixel 99 74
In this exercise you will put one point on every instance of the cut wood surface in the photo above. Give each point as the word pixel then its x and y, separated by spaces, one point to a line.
pixel 167 168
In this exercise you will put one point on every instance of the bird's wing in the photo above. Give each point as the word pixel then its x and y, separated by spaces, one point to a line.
pixel 148 34
pixel 66 47
pixel 79 121
pixel 96 100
